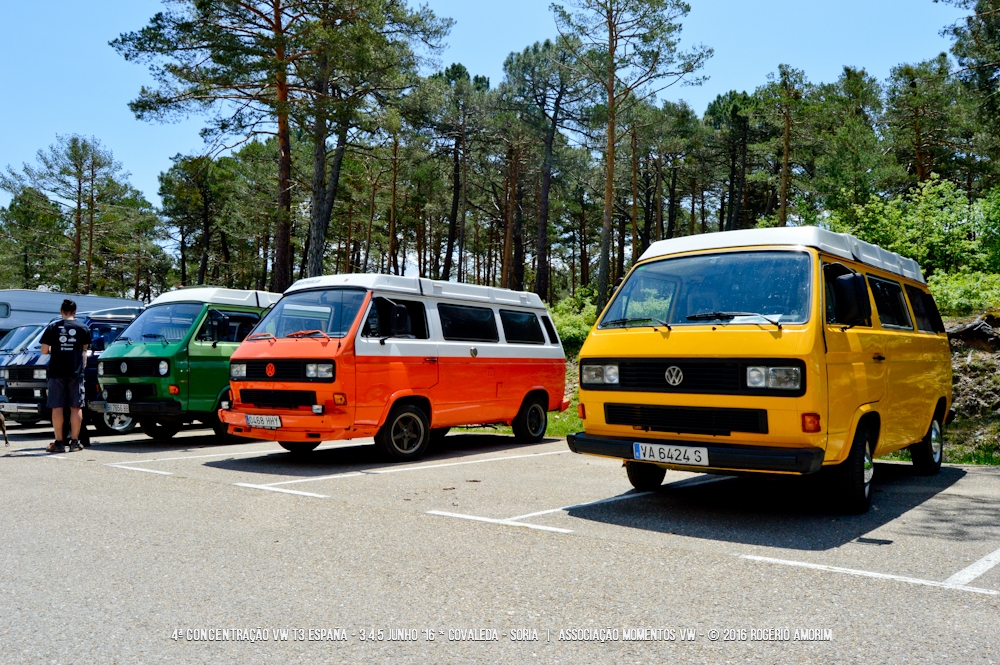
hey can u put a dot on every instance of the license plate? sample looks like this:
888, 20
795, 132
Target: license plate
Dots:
267, 422
117, 408
686, 455
6, 407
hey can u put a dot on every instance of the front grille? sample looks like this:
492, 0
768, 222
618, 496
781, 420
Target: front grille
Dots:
706, 376
278, 399
22, 394
687, 420
284, 370
133, 367
22, 373
116, 393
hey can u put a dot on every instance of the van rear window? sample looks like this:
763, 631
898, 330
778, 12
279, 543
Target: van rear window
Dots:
460, 323
550, 330
521, 327
925, 310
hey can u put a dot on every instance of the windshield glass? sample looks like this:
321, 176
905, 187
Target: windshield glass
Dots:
331, 312
164, 323
106, 330
17, 338
736, 287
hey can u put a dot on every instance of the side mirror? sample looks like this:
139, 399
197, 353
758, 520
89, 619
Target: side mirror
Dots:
400, 320
853, 304
220, 327
97, 344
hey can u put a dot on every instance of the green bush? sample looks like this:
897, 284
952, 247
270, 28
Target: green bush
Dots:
573, 318
965, 292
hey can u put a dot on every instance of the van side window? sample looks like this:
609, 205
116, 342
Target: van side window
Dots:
521, 327
550, 329
925, 310
240, 325
832, 271
889, 302
460, 323
385, 320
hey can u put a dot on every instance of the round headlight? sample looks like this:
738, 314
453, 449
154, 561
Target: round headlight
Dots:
100, 369
164, 367
756, 377
104, 394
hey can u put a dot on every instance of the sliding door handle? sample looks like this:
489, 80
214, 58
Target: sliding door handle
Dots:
878, 357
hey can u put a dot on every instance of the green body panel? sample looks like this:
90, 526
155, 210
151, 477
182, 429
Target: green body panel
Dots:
200, 370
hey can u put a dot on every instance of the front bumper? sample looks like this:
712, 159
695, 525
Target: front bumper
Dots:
331, 426
22, 407
721, 457
165, 408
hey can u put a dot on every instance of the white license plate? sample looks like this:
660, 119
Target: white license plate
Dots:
267, 422
116, 408
686, 455
7, 407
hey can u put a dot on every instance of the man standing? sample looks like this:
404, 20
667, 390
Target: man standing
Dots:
66, 341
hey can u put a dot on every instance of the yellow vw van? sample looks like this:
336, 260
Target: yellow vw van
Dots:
771, 351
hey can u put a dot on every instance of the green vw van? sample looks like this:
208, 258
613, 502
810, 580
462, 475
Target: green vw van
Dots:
170, 366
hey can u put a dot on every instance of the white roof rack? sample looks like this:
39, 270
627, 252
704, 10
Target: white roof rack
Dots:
418, 286
843, 245
218, 296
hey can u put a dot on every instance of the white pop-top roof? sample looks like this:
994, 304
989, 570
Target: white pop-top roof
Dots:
218, 296
839, 244
418, 286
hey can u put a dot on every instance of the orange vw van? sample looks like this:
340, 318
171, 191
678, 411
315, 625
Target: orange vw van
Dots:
783, 350
402, 359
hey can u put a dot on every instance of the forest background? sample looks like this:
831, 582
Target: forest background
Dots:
336, 142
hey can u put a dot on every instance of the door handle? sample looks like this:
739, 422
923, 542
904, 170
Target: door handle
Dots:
878, 357
430, 360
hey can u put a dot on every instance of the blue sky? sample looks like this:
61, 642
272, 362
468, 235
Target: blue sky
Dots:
59, 76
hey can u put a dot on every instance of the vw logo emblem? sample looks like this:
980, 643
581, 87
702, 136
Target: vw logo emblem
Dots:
269, 370
124, 367
674, 375
128, 395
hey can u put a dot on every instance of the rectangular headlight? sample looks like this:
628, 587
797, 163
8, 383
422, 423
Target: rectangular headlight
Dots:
4, 374
238, 370
592, 374
310, 370
39, 374
324, 370
784, 378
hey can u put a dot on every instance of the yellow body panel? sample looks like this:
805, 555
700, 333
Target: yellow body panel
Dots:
843, 379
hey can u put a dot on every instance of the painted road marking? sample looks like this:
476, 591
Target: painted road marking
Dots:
866, 573
282, 490
172, 459
135, 468
411, 467
977, 569
503, 522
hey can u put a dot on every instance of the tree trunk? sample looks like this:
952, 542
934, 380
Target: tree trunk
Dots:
604, 263
659, 197
672, 206
206, 237
324, 190
635, 197
393, 245
517, 271
281, 271
584, 261
90, 224
785, 160
456, 186
77, 240
508, 236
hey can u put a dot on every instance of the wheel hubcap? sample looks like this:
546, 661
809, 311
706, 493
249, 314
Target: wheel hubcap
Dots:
407, 433
117, 422
869, 467
936, 441
536, 420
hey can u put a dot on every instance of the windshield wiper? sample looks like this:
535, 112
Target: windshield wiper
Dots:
729, 316
155, 336
308, 333
260, 335
123, 338
638, 320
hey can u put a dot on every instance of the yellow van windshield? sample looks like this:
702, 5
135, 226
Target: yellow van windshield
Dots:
732, 287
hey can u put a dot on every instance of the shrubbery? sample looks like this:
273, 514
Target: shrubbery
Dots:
965, 292
574, 317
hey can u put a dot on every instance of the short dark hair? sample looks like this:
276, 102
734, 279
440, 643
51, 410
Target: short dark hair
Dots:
68, 306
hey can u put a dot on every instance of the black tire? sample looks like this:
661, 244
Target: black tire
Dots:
531, 421
109, 424
854, 475
405, 434
438, 434
644, 476
155, 429
928, 453
220, 429
298, 447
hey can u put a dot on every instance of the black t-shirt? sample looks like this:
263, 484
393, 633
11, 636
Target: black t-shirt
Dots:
66, 340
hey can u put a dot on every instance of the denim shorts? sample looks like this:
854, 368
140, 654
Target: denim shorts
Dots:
65, 392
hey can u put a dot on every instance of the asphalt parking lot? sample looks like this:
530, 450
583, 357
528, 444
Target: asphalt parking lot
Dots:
188, 551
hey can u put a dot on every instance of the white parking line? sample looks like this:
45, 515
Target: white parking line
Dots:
282, 490
977, 569
866, 573
135, 468
172, 459
503, 522
411, 467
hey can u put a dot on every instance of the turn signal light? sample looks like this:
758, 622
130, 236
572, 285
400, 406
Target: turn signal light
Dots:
174, 390
340, 399
581, 411
810, 423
